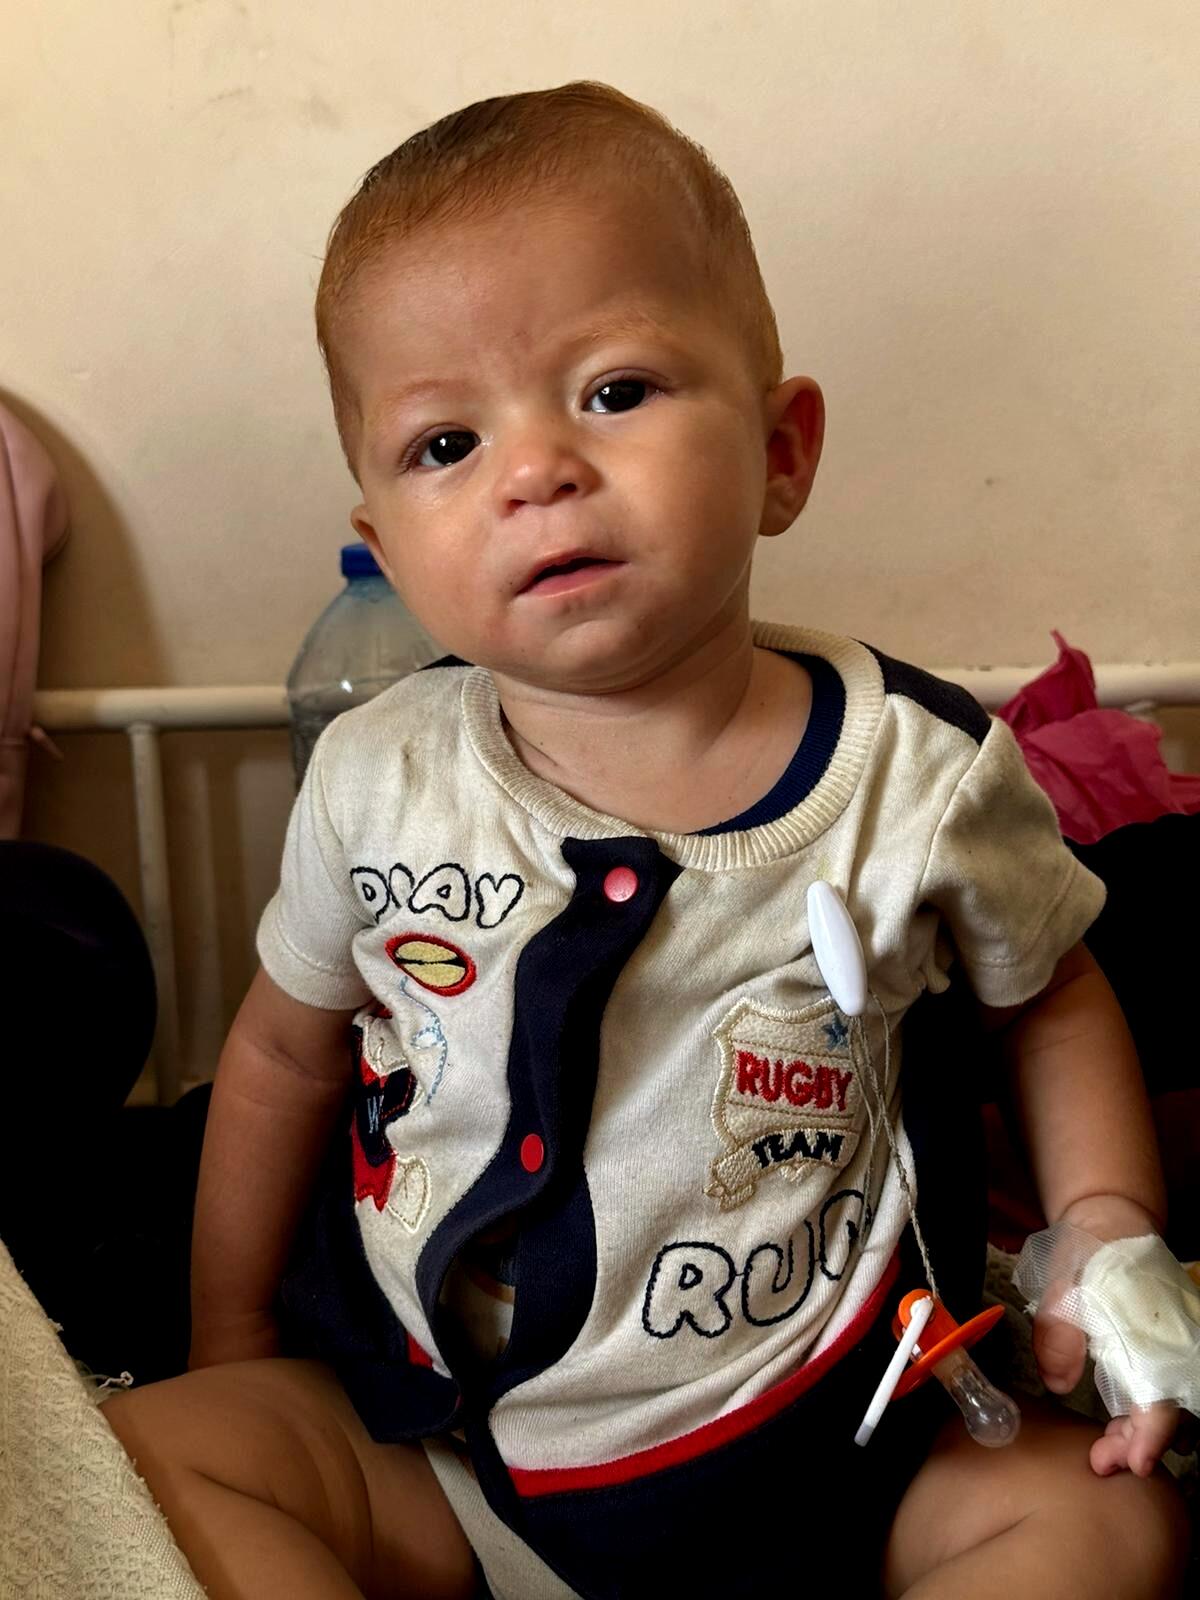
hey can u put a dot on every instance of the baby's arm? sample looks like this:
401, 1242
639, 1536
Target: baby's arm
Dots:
280, 1084
1082, 1105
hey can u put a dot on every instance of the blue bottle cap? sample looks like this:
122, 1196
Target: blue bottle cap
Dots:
358, 562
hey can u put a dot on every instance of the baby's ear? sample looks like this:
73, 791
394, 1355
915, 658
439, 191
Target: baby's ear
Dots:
795, 419
361, 522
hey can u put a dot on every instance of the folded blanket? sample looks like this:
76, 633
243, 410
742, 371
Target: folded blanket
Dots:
76, 1521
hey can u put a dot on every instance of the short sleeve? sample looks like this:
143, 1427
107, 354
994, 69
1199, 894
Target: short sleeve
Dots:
1011, 894
306, 934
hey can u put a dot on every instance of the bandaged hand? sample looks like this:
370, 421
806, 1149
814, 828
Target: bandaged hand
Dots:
1128, 1303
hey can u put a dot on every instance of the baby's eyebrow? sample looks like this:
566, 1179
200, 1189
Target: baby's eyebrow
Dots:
620, 325
413, 392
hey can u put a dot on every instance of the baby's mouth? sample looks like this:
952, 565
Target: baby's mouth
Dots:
571, 573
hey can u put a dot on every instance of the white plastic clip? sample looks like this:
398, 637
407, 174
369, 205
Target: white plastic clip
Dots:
837, 948
918, 1316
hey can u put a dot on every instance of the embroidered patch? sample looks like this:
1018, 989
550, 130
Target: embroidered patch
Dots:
432, 962
386, 1087
447, 889
409, 1197
786, 1098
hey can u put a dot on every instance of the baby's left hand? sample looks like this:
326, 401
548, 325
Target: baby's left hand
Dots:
1136, 1441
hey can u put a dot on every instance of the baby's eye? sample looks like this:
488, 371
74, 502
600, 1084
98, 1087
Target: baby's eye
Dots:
444, 449
623, 394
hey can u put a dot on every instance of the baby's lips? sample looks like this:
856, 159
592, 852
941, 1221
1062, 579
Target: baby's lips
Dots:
558, 562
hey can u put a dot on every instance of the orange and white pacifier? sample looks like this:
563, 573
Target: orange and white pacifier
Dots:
936, 1344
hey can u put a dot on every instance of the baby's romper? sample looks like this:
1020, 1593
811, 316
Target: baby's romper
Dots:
616, 1049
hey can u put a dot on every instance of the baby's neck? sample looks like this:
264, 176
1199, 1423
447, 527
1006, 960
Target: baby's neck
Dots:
693, 748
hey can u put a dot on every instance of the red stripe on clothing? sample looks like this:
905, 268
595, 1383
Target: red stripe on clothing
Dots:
418, 1357
531, 1482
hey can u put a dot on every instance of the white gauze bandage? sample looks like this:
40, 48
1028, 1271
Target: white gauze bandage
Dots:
1136, 1304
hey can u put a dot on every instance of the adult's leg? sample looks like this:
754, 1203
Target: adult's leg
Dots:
1034, 1519
271, 1485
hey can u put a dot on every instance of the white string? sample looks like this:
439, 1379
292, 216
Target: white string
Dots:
901, 1169
869, 1179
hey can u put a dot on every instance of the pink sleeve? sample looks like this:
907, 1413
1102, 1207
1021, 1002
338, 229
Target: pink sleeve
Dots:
33, 525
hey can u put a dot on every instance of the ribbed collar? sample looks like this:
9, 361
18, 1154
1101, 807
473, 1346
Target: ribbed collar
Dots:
769, 841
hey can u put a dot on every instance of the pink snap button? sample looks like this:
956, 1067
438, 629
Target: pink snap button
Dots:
621, 884
533, 1152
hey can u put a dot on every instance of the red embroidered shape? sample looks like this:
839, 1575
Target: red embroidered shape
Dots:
823, 1086
380, 1102
434, 963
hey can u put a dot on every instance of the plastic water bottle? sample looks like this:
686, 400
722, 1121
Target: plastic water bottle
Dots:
364, 640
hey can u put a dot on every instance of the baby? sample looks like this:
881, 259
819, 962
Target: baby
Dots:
600, 1270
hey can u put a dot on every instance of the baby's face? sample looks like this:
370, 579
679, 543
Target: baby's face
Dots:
563, 455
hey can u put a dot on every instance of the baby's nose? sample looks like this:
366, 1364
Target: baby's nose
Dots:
542, 472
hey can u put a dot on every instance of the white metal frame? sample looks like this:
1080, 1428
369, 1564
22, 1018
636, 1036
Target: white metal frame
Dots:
144, 713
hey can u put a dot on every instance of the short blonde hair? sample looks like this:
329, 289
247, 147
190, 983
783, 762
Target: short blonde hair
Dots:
508, 148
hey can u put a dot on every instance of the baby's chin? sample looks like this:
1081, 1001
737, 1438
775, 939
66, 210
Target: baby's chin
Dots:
619, 657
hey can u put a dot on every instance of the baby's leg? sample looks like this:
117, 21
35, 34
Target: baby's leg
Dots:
1033, 1519
272, 1486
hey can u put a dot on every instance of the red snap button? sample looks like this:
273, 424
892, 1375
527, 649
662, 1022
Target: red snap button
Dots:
621, 884
533, 1152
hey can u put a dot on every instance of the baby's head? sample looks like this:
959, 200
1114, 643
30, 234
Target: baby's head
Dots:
549, 347
509, 152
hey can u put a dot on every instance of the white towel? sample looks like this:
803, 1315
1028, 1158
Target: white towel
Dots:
76, 1521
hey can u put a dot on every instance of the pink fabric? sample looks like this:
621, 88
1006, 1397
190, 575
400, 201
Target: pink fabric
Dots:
33, 525
1102, 769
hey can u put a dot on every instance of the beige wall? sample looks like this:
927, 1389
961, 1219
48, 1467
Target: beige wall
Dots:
978, 222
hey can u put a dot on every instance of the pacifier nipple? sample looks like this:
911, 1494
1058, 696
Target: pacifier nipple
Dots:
991, 1416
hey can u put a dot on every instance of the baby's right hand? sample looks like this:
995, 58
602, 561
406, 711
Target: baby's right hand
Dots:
245, 1336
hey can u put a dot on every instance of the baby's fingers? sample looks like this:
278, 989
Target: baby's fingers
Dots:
1153, 1429
1135, 1442
1110, 1453
1060, 1351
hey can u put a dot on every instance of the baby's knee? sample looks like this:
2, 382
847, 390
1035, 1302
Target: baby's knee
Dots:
1138, 1529
1129, 1532
225, 1421
139, 1419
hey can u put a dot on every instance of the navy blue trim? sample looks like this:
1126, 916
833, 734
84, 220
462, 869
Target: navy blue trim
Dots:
813, 753
564, 978
945, 700
444, 661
